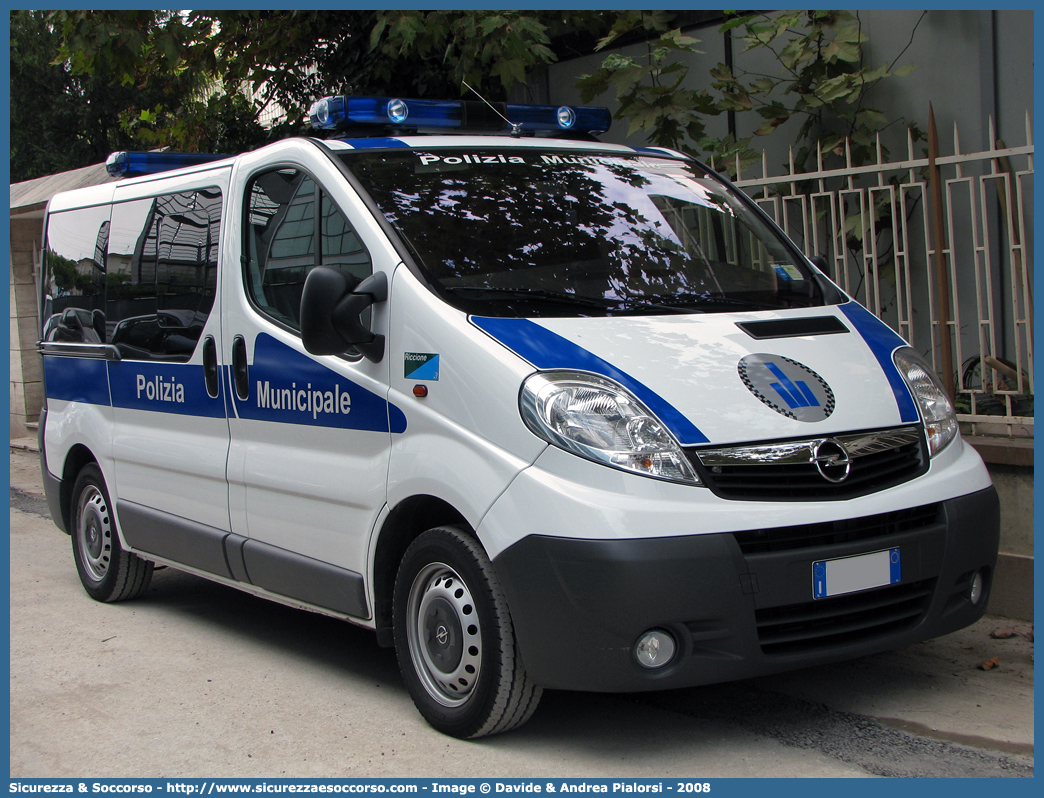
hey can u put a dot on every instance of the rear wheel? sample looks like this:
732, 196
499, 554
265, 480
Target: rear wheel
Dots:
108, 573
454, 638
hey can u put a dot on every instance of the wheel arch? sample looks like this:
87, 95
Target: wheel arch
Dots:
79, 456
404, 523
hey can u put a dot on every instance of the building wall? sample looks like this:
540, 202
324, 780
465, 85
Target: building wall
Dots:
970, 65
26, 385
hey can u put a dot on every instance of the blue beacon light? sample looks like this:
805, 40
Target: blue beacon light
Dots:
135, 164
331, 113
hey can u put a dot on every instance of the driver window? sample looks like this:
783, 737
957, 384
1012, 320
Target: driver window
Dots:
292, 227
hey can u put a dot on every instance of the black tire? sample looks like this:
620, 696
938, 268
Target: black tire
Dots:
455, 641
108, 573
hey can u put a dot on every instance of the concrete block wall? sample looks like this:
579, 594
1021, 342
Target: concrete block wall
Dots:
26, 376
1011, 466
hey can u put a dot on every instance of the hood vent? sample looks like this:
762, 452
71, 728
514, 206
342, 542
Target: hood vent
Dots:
793, 328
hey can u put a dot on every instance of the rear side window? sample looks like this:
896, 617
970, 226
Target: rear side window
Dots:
161, 274
73, 306
292, 227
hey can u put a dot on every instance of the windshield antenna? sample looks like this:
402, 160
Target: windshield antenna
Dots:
516, 129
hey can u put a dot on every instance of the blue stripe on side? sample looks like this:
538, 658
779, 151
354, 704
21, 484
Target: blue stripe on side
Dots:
178, 388
289, 387
883, 341
76, 379
548, 350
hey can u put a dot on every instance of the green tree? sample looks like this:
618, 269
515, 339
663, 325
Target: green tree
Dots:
821, 79
58, 121
250, 61
649, 87
63, 118
173, 61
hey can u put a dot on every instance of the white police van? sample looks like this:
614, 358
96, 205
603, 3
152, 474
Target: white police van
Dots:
540, 411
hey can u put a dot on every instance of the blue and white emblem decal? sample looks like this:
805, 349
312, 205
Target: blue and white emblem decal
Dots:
788, 387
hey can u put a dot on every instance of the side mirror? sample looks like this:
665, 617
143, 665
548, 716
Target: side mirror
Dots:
831, 293
331, 313
820, 263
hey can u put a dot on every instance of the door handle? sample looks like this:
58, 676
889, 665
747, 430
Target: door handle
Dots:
239, 368
210, 366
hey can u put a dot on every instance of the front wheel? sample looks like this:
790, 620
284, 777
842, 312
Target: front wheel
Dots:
454, 638
108, 573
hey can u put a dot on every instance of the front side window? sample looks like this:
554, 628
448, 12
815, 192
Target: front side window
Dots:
292, 227
553, 233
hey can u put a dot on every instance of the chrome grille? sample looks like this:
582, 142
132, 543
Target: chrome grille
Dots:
829, 467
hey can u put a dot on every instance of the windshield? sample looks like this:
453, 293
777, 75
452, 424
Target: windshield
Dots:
529, 232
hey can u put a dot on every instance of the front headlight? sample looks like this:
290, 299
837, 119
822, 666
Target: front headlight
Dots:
940, 420
598, 419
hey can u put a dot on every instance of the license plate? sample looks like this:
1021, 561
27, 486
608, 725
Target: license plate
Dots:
852, 574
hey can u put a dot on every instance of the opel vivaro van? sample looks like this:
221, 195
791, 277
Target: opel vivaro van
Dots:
540, 411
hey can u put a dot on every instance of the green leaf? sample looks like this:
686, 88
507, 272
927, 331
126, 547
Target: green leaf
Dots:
490, 24
769, 127
773, 111
839, 50
835, 88
870, 118
732, 24
378, 32
722, 72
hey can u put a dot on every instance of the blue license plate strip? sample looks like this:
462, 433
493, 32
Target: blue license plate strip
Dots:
852, 574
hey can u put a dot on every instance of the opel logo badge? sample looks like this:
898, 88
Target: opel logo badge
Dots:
832, 461
442, 635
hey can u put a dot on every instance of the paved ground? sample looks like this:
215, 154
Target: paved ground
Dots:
203, 680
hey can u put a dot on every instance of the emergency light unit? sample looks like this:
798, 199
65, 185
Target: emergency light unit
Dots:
540, 411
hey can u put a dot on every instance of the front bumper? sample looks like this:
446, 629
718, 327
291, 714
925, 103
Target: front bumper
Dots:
740, 604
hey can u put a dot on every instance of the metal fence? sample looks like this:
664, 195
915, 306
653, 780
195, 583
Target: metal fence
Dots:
891, 247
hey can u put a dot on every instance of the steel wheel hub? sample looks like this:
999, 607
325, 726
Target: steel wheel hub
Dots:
444, 634
94, 530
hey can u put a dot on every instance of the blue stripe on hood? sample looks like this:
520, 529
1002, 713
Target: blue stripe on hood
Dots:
883, 341
548, 350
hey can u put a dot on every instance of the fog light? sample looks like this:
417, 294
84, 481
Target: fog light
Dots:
976, 588
654, 649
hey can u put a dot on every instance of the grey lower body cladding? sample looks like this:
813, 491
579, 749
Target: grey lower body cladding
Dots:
740, 604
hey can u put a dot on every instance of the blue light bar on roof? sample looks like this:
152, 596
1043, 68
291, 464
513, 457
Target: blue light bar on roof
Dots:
332, 113
135, 164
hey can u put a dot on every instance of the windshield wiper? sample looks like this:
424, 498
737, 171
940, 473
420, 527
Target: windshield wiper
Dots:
537, 293
710, 300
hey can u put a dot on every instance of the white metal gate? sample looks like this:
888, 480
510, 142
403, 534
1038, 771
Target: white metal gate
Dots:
874, 226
